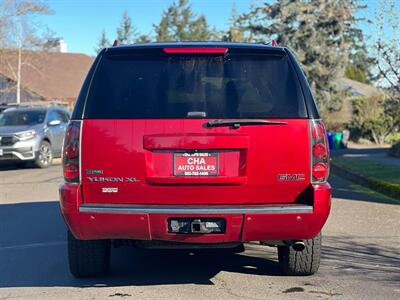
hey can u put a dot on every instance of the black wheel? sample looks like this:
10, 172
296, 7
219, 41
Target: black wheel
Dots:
88, 258
44, 158
301, 263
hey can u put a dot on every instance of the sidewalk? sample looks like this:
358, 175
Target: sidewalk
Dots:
372, 153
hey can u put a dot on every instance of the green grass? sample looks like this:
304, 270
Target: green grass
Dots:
378, 197
369, 169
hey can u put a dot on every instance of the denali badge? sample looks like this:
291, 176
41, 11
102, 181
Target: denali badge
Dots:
93, 172
290, 177
109, 190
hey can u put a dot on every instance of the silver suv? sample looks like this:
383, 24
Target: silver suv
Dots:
32, 134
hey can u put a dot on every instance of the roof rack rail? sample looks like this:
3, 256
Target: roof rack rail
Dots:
45, 103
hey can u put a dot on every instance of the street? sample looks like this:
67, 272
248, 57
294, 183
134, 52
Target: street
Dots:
361, 247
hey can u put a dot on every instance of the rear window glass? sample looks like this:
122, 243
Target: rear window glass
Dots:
234, 86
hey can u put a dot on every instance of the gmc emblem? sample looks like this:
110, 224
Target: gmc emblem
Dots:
291, 177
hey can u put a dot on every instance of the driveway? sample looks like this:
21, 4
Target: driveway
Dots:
360, 254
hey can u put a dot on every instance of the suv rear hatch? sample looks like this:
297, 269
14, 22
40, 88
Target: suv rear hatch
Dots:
194, 126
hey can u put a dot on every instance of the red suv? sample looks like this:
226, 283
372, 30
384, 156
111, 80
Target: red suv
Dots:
195, 145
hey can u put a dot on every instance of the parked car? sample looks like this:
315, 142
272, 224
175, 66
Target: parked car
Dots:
32, 134
4, 106
195, 145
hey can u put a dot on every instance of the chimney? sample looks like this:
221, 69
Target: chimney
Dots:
56, 45
63, 46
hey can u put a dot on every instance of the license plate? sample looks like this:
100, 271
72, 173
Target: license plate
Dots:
1, 152
196, 164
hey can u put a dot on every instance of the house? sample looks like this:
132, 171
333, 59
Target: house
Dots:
357, 88
45, 75
354, 89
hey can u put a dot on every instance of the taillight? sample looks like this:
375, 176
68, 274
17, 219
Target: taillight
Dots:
319, 152
71, 152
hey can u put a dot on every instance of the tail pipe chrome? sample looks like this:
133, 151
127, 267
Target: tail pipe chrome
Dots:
298, 246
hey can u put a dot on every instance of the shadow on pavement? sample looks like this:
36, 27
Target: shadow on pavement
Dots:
349, 255
33, 254
8, 166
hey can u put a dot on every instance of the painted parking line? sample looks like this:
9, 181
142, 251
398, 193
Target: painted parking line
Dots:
32, 245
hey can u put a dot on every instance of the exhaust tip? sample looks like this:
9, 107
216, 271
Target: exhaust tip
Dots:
298, 246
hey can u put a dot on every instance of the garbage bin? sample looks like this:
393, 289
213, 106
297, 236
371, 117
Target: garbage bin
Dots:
330, 139
337, 140
345, 138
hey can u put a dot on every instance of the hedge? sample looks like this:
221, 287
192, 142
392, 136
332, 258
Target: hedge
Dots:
390, 189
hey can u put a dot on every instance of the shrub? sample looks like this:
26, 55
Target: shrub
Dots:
376, 117
395, 150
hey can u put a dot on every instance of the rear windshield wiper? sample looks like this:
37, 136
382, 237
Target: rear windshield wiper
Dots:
236, 123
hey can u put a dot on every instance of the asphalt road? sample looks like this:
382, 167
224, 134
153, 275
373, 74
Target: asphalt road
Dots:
361, 250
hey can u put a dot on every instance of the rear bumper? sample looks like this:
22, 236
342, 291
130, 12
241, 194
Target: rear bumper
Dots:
244, 223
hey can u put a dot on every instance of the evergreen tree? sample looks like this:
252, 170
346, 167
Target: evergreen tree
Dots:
103, 42
179, 23
162, 30
126, 31
358, 67
235, 32
317, 31
143, 39
359, 63
200, 30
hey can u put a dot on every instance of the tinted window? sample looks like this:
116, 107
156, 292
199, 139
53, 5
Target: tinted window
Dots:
64, 116
235, 86
16, 117
57, 115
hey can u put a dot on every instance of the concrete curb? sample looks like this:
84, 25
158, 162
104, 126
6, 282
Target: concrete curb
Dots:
387, 188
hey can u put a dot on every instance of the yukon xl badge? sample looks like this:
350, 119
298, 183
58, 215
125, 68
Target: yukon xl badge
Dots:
112, 179
290, 177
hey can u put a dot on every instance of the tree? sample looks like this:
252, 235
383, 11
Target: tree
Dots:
387, 48
179, 23
19, 32
359, 65
387, 62
126, 31
103, 42
374, 117
235, 32
359, 60
143, 38
317, 31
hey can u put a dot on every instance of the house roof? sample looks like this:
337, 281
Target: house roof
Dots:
51, 75
360, 89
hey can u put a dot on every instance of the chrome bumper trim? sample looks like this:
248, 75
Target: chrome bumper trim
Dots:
180, 209
18, 156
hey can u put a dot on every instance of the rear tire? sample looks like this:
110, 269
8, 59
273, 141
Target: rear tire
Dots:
88, 258
301, 263
44, 157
